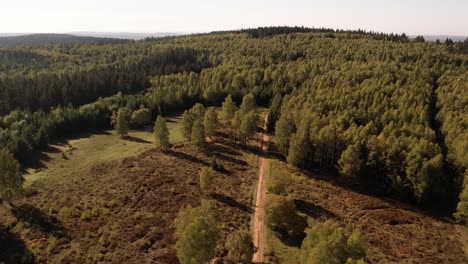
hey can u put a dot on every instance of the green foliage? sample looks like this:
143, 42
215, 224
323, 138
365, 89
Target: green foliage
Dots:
236, 123
326, 243
281, 216
283, 130
248, 126
206, 179
299, 146
356, 245
141, 117
196, 234
462, 208
382, 92
350, 162
197, 112
211, 122
240, 247
228, 109
278, 184
198, 133
274, 112
187, 124
161, 133
122, 121
11, 179
248, 103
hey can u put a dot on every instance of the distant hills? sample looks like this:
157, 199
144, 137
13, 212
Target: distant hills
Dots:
127, 35
46, 39
12, 40
442, 38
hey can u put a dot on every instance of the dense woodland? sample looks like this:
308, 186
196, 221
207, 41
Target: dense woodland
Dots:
385, 112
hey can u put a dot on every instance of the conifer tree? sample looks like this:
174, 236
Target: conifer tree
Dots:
187, 124
350, 162
196, 234
211, 122
248, 103
228, 109
198, 133
161, 133
240, 247
11, 179
206, 179
248, 126
121, 126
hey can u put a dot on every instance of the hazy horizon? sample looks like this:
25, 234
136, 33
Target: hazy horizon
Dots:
143, 16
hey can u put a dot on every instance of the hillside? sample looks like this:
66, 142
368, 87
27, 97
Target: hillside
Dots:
52, 39
362, 156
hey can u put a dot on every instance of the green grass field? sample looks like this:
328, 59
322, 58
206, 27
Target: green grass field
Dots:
63, 161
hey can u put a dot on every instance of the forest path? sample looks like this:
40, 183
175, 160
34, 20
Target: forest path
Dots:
258, 225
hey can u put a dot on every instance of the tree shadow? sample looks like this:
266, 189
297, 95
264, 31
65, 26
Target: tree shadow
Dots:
181, 155
231, 202
138, 140
234, 145
222, 149
38, 219
230, 159
292, 241
13, 249
313, 210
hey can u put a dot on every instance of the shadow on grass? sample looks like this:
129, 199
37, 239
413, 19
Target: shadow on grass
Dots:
38, 219
290, 240
231, 202
181, 155
138, 140
313, 210
13, 249
230, 159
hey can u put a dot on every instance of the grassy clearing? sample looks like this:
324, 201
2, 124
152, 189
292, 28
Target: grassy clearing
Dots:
106, 199
65, 161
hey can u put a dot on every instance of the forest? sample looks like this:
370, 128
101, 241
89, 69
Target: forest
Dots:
383, 113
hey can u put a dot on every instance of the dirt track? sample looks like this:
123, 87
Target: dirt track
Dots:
258, 226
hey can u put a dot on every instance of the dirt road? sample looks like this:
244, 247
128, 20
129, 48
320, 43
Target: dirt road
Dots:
258, 225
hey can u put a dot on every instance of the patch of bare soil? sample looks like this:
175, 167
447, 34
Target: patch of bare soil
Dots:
124, 211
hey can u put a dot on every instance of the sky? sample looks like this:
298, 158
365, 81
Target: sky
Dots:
425, 17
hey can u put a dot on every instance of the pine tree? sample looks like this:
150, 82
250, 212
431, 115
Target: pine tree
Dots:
187, 124
236, 124
198, 133
248, 126
350, 162
11, 179
356, 245
248, 103
211, 122
196, 234
121, 126
274, 112
283, 130
228, 109
240, 247
206, 179
161, 133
